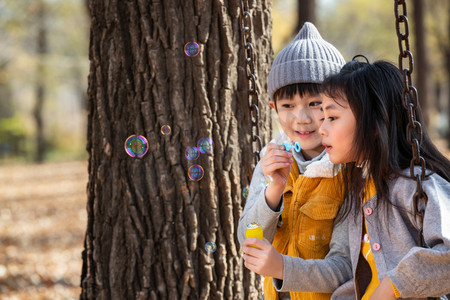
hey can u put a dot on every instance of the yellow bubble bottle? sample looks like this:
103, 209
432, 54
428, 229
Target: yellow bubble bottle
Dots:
254, 231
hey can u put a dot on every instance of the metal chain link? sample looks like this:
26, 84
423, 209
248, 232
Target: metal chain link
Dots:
252, 93
410, 103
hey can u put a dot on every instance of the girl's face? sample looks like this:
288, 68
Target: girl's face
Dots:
338, 130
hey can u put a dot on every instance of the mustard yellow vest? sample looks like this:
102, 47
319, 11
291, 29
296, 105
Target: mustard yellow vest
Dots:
310, 206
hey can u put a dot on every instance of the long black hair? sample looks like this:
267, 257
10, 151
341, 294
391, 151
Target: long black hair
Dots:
374, 94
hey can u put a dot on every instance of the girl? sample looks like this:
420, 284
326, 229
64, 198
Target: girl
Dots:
364, 129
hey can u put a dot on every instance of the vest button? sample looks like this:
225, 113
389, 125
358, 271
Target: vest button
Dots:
368, 211
376, 247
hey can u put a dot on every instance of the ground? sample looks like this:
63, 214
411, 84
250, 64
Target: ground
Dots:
42, 226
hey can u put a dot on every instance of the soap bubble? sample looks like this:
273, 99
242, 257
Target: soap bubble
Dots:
245, 192
196, 172
136, 146
261, 184
205, 145
192, 153
210, 247
191, 49
166, 130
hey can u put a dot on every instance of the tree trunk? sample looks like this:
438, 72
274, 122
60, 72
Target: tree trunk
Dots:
148, 223
420, 58
447, 62
6, 103
306, 11
42, 50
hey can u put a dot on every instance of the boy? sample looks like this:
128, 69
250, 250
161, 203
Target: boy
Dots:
297, 208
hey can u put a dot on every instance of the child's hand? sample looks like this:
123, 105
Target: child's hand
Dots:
383, 291
264, 260
276, 163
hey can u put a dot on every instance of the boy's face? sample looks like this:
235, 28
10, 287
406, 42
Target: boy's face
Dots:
300, 118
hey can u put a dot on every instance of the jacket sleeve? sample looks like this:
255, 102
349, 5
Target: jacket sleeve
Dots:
424, 272
257, 210
319, 275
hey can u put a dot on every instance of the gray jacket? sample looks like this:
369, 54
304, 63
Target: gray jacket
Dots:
416, 272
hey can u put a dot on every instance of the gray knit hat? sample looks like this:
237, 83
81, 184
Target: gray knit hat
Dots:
307, 59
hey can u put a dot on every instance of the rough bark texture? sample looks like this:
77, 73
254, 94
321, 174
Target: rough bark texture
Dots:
148, 222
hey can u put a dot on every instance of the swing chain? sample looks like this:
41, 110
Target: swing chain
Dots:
414, 131
252, 93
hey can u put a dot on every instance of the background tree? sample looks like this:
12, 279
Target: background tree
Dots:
148, 223
420, 54
6, 107
41, 54
306, 12
447, 63
12, 132
439, 31
41, 59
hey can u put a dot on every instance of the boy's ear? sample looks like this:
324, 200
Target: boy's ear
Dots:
272, 104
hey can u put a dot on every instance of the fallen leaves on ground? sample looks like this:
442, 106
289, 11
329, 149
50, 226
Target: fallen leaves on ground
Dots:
42, 226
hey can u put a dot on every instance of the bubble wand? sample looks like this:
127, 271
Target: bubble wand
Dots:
296, 146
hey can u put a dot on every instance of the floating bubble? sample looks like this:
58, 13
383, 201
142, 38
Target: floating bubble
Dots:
205, 145
258, 185
166, 130
136, 146
245, 192
192, 153
191, 49
269, 179
210, 247
196, 172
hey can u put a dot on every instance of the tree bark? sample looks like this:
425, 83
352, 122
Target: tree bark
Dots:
148, 223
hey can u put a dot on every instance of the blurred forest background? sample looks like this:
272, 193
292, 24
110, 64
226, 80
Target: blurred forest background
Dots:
44, 66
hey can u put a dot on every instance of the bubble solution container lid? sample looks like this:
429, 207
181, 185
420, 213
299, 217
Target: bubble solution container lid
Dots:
253, 225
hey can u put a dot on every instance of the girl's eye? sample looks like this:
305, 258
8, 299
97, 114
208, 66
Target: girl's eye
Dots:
332, 118
315, 103
287, 105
